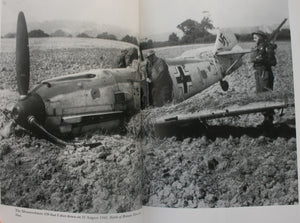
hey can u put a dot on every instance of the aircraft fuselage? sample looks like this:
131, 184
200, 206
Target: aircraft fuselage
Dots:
75, 103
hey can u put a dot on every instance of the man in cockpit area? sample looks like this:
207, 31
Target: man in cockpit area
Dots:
161, 85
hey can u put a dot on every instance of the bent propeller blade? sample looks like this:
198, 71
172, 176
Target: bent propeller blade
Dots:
22, 56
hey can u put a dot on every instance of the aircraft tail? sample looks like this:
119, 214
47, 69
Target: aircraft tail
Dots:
225, 41
228, 51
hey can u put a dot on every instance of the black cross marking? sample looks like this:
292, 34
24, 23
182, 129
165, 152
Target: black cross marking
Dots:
184, 79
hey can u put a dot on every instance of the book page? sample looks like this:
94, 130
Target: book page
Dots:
75, 160
218, 149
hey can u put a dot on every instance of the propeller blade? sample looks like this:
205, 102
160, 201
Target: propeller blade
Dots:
22, 56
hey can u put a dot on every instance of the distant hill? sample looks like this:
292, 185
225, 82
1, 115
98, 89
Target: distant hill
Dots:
251, 29
76, 27
37, 33
238, 30
83, 35
60, 33
10, 35
163, 36
72, 27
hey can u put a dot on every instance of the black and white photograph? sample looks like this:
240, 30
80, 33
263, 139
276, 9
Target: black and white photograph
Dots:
221, 129
71, 68
134, 110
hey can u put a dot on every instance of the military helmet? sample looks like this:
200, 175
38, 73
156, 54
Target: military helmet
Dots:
150, 53
260, 33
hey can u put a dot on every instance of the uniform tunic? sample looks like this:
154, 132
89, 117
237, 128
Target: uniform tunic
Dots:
262, 63
161, 85
263, 59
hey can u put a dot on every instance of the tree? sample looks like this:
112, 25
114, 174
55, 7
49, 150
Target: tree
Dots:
146, 44
206, 23
83, 35
173, 38
10, 35
60, 33
188, 27
37, 33
105, 35
130, 39
194, 30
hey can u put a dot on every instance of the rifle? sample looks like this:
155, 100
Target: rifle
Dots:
272, 38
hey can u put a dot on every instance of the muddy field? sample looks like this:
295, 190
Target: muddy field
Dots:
247, 166
232, 163
38, 174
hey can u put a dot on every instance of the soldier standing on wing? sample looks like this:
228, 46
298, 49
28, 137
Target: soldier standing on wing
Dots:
121, 62
161, 85
126, 57
263, 59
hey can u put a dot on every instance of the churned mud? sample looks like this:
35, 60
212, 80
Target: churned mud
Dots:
228, 162
233, 163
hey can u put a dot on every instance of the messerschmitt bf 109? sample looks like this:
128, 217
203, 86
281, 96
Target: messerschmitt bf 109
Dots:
107, 98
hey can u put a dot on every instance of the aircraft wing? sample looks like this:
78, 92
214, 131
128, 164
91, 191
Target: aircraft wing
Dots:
176, 61
213, 114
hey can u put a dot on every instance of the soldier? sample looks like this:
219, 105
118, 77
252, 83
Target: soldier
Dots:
121, 62
161, 86
263, 59
131, 55
126, 57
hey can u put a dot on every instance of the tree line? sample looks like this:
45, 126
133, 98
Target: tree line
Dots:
60, 33
193, 32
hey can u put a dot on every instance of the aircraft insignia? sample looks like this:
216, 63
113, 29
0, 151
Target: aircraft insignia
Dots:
223, 40
183, 79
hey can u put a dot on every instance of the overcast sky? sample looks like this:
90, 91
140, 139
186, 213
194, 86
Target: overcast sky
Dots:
158, 16
123, 13
164, 15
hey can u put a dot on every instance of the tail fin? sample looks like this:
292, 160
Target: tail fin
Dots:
225, 41
229, 52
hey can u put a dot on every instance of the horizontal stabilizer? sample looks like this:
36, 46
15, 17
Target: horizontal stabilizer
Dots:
241, 52
226, 112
